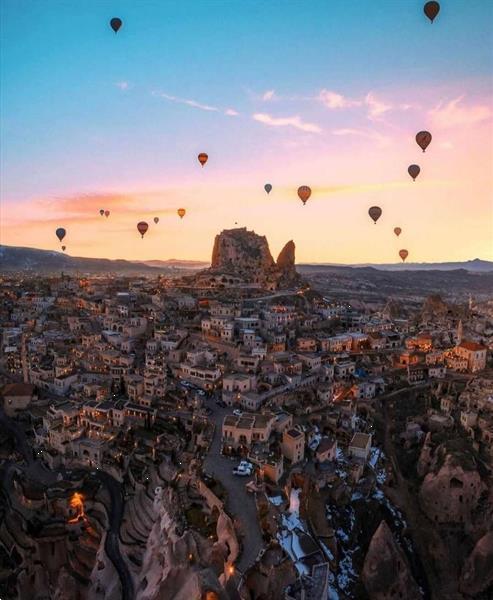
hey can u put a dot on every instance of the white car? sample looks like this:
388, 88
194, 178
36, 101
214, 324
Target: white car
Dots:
244, 469
237, 412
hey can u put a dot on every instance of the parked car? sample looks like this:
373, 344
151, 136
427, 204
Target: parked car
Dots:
241, 471
237, 412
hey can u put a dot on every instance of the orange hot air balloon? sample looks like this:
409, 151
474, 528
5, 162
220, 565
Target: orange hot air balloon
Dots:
375, 213
397, 231
203, 158
60, 233
101, 212
181, 212
106, 213
403, 254
414, 171
115, 24
63, 248
423, 139
142, 226
304, 192
431, 10
156, 220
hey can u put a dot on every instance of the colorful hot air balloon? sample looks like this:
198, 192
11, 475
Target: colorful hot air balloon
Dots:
268, 188
106, 213
156, 220
397, 231
101, 211
115, 24
375, 213
413, 170
60, 233
403, 254
142, 226
304, 192
431, 10
423, 139
203, 158
63, 248
181, 212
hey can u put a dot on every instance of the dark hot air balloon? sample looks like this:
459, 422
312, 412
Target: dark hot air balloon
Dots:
413, 170
304, 192
268, 188
423, 139
142, 226
156, 220
403, 254
63, 248
115, 24
101, 212
106, 213
431, 10
60, 233
375, 213
397, 231
181, 212
203, 158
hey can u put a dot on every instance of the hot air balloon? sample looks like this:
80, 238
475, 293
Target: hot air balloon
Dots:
106, 213
63, 248
181, 212
142, 226
203, 157
156, 220
115, 24
101, 212
397, 231
268, 188
423, 139
431, 10
403, 254
413, 170
60, 233
375, 213
304, 192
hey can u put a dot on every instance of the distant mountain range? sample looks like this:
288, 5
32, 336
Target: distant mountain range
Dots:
14, 258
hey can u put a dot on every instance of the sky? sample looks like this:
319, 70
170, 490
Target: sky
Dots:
325, 94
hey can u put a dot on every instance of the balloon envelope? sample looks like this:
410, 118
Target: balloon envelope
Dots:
304, 192
375, 213
115, 24
156, 220
431, 10
60, 233
423, 139
403, 254
106, 213
413, 170
268, 188
203, 157
63, 248
101, 212
142, 226
181, 212
397, 231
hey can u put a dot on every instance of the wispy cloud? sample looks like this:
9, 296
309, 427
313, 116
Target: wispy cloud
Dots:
122, 85
230, 112
379, 138
456, 113
268, 95
333, 100
376, 108
295, 121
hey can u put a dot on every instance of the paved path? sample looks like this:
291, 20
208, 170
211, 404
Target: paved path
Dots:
240, 504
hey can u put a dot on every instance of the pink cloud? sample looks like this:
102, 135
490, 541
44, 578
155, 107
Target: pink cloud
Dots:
456, 113
294, 121
269, 95
333, 100
376, 108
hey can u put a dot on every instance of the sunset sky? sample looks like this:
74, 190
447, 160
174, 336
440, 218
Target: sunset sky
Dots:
290, 92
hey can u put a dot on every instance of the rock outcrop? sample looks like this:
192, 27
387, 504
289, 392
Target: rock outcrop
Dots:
477, 573
386, 573
242, 257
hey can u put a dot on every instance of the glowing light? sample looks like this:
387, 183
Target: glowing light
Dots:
77, 504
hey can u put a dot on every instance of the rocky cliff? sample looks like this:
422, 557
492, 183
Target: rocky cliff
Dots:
240, 256
477, 573
386, 573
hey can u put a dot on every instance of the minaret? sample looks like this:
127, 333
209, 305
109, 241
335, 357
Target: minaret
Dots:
459, 333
